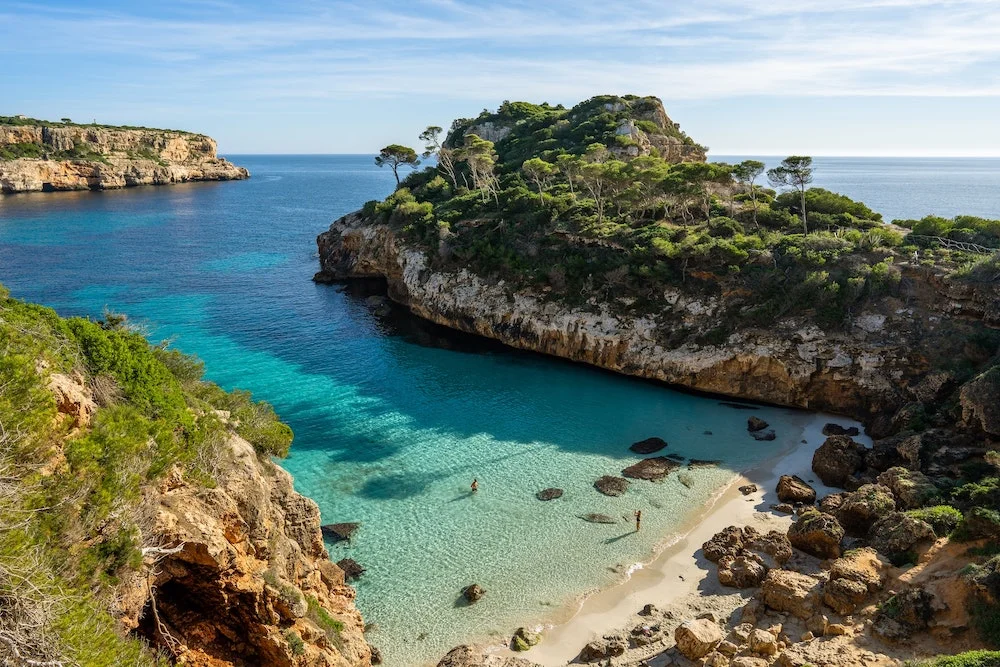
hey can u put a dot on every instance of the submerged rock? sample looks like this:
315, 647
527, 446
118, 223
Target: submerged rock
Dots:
549, 494
473, 593
755, 424
338, 532
352, 569
610, 485
594, 517
652, 469
764, 436
648, 446
704, 463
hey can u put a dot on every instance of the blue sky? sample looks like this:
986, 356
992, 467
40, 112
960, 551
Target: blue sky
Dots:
822, 77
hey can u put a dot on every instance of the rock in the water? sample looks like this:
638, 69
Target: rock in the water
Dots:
765, 436
549, 494
838, 458
755, 424
704, 463
747, 489
594, 517
911, 488
473, 593
817, 533
791, 592
793, 489
696, 639
861, 508
648, 446
524, 639
653, 469
837, 429
352, 569
610, 485
896, 535
339, 531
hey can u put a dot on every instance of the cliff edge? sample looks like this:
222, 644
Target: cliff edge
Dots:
36, 156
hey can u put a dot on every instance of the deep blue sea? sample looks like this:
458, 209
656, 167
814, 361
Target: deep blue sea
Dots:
393, 418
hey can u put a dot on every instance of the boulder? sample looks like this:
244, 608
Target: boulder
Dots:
352, 569
791, 592
747, 489
904, 614
837, 429
610, 485
473, 593
838, 458
774, 549
697, 638
648, 446
748, 661
771, 550
337, 532
727, 542
831, 503
649, 610
794, 489
911, 488
861, 508
896, 535
755, 424
524, 639
609, 647
743, 571
766, 436
653, 469
862, 565
816, 533
762, 642
844, 596
549, 494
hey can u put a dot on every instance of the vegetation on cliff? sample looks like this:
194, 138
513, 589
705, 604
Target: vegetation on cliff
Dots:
610, 201
91, 418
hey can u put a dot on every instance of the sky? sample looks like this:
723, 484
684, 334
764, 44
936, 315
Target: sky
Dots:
818, 77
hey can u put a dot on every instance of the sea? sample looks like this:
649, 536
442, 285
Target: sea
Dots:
393, 417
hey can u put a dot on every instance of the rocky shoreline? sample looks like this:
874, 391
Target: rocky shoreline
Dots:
102, 158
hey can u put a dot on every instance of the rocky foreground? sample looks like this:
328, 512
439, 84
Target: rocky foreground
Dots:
76, 157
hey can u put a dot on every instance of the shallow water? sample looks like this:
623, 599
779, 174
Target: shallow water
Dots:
393, 418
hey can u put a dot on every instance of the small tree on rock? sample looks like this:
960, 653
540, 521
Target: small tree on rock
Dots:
445, 156
794, 171
540, 172
746, 173
396, 155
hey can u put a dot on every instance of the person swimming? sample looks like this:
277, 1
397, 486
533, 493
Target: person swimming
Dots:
638, 520
475, 485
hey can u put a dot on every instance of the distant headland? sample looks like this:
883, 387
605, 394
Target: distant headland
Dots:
44, 156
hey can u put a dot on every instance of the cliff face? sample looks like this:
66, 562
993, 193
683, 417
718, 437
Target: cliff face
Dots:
251, 582
880, 364
98, 158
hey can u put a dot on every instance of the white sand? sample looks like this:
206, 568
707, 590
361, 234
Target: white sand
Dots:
680, 570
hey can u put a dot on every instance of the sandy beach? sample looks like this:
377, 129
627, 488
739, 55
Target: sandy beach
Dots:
679, 578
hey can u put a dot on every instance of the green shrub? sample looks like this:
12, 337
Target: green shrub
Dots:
295, 643
979, 523
943, 518
967, 659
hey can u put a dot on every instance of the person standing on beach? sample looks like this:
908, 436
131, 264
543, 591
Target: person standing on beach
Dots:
475, 485
638, 520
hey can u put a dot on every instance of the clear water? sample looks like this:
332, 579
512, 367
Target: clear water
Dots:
393, 419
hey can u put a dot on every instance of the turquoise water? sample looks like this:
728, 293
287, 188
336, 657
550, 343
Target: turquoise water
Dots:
393, 418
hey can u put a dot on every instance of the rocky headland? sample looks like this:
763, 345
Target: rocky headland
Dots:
653, 264
36, 156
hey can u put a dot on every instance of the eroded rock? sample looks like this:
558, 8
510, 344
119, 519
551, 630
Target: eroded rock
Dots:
653, 469
817, 533
838, 458
697, 638
794, 489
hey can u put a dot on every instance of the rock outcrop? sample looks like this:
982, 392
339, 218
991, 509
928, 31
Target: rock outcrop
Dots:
77, 157
242, 575
866, 371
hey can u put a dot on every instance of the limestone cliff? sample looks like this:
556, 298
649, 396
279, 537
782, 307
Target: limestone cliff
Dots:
43, 157
242, 577
882, 362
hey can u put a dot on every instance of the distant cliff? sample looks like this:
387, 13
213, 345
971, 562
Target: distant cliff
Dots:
36, 156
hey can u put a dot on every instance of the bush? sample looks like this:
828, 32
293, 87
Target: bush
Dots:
943, 518
979, 523
967, 659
